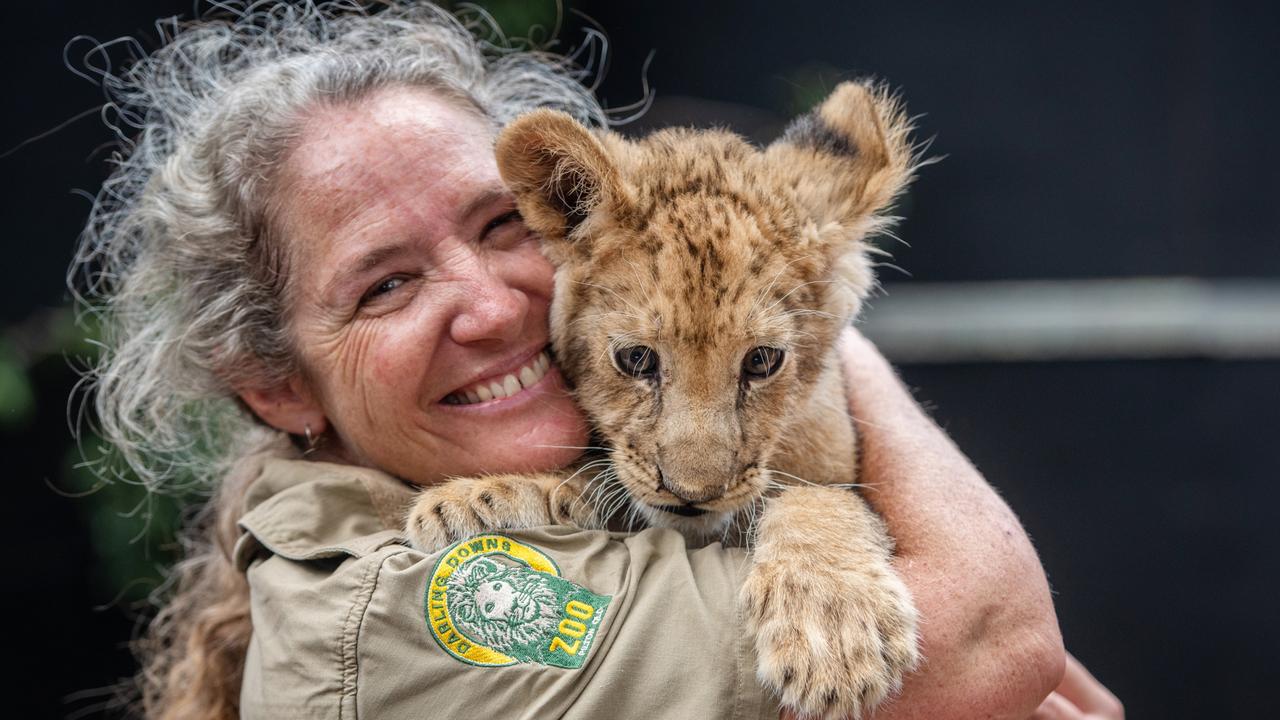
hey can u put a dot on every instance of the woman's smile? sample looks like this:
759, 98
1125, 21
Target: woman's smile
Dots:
508, 384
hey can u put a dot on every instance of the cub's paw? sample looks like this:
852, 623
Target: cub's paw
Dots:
832, 642
569, 501
462, 507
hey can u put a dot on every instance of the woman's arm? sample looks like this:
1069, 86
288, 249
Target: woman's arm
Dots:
990, 637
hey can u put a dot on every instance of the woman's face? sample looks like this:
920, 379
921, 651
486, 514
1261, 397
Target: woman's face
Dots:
418, 298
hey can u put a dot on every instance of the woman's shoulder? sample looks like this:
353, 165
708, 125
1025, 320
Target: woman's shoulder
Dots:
312, 538
302, 510
542, 622
561, 622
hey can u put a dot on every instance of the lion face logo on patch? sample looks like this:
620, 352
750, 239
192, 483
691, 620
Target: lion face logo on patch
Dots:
493, 601
502, 606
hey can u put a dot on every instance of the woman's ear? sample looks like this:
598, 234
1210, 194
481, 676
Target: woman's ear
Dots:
290, 406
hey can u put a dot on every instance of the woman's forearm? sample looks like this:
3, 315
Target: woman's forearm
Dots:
990, 637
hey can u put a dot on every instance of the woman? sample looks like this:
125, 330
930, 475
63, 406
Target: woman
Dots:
309, 239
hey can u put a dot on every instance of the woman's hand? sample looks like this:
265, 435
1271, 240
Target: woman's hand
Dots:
989, 635
1079, 697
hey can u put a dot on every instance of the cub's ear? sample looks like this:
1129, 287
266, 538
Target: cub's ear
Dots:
849, 157
559, 171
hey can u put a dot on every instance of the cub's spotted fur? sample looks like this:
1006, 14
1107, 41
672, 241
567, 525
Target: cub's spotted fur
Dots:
701, 286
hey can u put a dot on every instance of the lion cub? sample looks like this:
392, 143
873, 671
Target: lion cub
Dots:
701, 286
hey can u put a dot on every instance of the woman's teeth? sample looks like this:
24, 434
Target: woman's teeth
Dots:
502, 387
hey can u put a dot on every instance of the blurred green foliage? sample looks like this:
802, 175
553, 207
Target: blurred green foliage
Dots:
807, 85
520, 22
132, 531
17, 398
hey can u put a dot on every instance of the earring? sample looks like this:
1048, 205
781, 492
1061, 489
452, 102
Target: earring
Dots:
311, 440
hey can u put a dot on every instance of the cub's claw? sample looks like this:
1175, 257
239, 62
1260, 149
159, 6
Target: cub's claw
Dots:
462, 507
832, 642
446, 513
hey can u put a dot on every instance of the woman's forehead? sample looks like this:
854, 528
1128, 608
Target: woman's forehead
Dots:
404, 158
389, 136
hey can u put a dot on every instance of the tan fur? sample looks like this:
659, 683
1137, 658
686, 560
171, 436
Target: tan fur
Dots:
701, 247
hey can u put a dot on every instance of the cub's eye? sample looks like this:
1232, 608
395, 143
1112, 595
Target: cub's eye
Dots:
762, 362
637, 361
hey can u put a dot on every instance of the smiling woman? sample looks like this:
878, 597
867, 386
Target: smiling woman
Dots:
317, 296
416, 289
307, 234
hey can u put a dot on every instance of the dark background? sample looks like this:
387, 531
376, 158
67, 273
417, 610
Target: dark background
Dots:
1082, 140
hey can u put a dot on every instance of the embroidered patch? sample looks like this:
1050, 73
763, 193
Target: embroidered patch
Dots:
494, 601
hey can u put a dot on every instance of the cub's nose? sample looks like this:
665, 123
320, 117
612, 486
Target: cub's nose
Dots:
691, 489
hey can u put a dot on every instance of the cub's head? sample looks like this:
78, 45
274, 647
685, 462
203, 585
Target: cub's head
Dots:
701, 283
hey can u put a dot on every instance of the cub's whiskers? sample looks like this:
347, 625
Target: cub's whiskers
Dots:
775, 485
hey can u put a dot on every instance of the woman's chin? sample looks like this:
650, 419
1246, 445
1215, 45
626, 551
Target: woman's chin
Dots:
538, 430
544, 436
552, 441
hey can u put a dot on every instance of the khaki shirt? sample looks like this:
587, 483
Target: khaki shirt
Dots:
551, 622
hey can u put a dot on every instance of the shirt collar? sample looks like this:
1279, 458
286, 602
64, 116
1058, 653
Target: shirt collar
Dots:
306, 510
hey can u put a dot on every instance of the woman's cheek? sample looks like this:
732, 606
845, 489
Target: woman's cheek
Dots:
395, 353
357, 356
532, 271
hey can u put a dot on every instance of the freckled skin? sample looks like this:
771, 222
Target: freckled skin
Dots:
408, 174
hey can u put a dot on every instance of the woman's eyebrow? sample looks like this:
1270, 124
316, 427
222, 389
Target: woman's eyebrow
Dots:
485, 198
362, 264
375, 257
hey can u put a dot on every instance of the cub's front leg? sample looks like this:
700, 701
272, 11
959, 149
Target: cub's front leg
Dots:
461, 507
834, 626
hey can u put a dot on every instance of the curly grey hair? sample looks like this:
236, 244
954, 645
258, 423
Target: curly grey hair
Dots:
179, 261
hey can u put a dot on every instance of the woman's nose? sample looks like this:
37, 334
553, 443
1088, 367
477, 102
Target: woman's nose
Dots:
491, 310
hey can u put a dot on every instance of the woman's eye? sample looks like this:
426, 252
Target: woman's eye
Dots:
488, 608
497, 586
762, 362
637, 361
382, 288
507, 225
